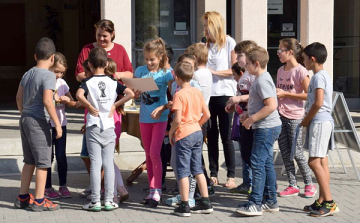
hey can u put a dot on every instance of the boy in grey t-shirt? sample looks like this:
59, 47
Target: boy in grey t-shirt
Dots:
265, 122
34, 93
320, 126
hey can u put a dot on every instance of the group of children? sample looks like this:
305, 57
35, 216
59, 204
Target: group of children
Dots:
264, 113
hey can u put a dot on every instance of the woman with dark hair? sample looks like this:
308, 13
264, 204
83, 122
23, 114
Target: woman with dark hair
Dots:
105, 35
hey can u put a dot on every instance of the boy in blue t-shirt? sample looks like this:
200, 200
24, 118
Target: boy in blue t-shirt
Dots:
320, 129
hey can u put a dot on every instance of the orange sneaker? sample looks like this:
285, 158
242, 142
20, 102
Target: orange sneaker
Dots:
46, 205
24, 203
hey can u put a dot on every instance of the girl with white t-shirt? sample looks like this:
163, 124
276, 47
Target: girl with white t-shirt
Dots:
62, 97
221, 57
292, 85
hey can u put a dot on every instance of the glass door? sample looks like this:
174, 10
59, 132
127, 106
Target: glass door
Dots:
172, 20
282, 23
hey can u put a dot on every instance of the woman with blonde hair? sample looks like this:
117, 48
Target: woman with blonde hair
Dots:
221, 57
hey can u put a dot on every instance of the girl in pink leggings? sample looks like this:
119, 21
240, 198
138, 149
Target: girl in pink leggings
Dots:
154, 114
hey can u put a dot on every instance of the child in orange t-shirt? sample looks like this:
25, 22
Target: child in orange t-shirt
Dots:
190, 112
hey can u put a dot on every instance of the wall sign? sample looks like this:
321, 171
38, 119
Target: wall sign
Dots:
275, 7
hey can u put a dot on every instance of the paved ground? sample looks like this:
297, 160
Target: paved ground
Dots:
344, 187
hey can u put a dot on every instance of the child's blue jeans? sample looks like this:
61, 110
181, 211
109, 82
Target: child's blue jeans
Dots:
264, 175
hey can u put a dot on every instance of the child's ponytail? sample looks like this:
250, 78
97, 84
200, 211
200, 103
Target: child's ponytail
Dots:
294, 45
158, 47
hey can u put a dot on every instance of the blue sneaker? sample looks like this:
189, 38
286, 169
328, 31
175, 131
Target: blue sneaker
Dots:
267, 207
250, 209
173, 201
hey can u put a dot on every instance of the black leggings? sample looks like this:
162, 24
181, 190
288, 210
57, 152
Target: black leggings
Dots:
217, 111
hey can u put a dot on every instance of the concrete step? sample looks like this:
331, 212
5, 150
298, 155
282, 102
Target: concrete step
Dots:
131, 152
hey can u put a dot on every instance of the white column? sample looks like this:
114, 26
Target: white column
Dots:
251, 21
119, 12
209, 5
317, 25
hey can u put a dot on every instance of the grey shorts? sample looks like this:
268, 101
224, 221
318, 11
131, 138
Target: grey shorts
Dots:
319, 139
36, 141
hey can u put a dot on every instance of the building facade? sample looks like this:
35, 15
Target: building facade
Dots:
70, 24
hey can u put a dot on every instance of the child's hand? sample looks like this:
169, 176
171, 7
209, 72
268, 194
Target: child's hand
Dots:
243, 116
78, 104
64, 99
93, 111
233, 100
305, 123
156, 114
171, 138
229, 108
137, 93
112, 110
280, 93
56, 98
83, 129
247, 123
59, 132
169, 105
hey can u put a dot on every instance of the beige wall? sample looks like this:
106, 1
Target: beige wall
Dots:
317, 25
205, 6
119, 12
251, 21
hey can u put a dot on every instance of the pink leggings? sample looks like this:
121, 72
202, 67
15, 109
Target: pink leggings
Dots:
152, 136
117, 122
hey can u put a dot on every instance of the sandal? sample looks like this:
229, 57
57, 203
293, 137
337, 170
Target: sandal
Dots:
230, 183
214, 181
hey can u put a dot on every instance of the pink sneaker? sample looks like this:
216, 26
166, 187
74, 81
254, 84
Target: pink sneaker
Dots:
51, 194
64, 192
290, 191
310, 191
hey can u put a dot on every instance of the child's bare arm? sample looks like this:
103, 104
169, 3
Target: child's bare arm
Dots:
299, 96
269, 107
19, 98
49, 105
175, 124
81, 98
129, 94
319, 99
206, 114
156, 114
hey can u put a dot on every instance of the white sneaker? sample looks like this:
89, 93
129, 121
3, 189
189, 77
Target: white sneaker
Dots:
92, 207
110, 205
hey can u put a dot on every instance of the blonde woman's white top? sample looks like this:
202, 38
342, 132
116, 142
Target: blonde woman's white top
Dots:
221, 60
